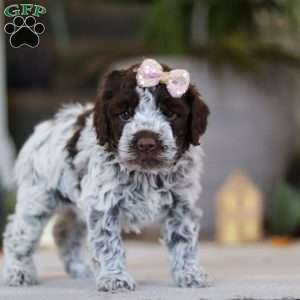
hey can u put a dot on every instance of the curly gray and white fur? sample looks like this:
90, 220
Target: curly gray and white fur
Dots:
102, 190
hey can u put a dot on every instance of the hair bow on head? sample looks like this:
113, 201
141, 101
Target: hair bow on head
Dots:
150, 73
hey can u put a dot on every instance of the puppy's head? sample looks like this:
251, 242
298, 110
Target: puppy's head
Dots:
146, 127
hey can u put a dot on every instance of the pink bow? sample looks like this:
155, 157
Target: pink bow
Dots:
150, 73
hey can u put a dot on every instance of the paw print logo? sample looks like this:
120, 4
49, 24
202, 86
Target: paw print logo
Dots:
24, 31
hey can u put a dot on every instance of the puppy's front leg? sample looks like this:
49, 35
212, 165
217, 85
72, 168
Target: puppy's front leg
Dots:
108, 253
180, 233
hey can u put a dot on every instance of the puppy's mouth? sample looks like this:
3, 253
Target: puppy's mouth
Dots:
150, 163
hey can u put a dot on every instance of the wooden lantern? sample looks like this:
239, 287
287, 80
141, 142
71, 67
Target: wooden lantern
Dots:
238, 210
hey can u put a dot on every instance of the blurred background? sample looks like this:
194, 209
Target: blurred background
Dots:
244, 57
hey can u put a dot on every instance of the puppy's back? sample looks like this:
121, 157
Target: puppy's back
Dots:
43, 154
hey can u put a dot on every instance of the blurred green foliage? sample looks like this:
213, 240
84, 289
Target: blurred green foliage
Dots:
226, 32
232, 29
167, 26
232, 16
285, 210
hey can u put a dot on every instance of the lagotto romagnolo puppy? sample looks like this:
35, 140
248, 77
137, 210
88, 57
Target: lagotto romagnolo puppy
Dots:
131, 159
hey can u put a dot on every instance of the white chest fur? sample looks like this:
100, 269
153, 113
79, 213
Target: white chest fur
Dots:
144, 199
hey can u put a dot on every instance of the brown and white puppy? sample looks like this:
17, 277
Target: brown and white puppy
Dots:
130, 160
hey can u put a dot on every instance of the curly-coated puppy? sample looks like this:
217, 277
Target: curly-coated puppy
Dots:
130, 159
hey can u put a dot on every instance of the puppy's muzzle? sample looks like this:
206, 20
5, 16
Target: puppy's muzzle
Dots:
147, 147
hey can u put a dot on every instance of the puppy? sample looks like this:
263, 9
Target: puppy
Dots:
131, 159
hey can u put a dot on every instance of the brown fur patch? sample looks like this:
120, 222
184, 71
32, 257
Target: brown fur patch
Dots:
71, 145
116, 95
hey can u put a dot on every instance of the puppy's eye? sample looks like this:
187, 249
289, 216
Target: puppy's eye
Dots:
172, 116
125, 116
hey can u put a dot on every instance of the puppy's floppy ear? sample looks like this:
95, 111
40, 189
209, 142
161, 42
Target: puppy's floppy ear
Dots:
109, 87
198, 116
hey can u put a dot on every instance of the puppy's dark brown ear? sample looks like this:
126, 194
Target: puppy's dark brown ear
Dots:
109, 87
198, 116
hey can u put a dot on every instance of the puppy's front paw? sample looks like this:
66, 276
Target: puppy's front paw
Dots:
115, 283
19, 276
192, 278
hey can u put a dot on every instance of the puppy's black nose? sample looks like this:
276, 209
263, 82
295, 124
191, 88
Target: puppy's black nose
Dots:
146, 144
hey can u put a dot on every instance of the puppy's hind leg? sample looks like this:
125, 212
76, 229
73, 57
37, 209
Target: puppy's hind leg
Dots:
33, 209
69, 233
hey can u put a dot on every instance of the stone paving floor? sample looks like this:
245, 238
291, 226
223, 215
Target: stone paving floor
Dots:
242, 272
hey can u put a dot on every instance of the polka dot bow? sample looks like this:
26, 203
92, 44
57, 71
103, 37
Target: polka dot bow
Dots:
150, 73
